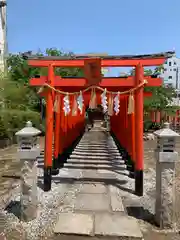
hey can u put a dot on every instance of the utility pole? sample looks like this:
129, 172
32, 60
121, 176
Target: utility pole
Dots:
3, 36
177, 78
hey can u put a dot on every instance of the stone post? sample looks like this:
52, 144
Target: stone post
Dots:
166, 157
28, 151
108, 123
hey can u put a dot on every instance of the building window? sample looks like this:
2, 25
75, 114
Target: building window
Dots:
174, 69
170, 69
170, 77
165, 69
174, 63
170, 64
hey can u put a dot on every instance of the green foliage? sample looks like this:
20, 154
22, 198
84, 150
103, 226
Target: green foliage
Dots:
19, 70
153, 126
147, 72
64, 72
13, 120
16, 95
158, 70
19, 102
161, 96
20, 73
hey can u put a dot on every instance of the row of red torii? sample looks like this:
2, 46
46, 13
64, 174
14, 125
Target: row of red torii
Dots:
65, 128
159, 116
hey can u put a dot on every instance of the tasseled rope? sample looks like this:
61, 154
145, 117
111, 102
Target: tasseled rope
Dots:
80, 101
93, 103
110, 105
75, 106
41, 89
66, 107
131, 103
57, 104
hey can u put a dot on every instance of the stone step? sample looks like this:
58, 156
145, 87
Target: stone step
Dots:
116, 162
101, 141
76, 156
114, 151
95, 153
97, 145
103, 225
97, 140
97, 166
94, 142
105, 148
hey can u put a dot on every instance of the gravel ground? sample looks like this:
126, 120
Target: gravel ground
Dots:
147, 201
61, 198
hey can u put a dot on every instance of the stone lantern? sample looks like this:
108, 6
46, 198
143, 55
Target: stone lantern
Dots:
28, 151
27, 139
166, 156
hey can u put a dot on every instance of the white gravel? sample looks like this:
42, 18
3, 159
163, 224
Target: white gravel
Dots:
59, 199
62, 198
147, 201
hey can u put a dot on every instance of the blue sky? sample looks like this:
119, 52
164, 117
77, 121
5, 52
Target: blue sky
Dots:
112, 26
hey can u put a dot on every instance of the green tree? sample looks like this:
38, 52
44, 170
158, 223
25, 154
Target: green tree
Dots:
147, 72
62, 71
19, 72
19, 101
161, 96
158, 70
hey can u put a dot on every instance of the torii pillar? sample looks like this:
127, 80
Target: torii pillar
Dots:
139, 151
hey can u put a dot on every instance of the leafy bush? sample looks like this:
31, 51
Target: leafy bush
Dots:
12, 121
152, 126
147, 125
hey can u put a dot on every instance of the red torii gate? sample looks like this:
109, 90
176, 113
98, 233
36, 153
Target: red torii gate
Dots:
127, 129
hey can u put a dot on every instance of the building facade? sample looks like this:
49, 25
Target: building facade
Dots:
171, 72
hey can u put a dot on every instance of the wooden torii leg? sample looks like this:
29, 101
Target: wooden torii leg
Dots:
55, 169
139, 162
49, 131
158, 117
61, 155
61, 135
132, 143
153, 117
65, 154
133, 140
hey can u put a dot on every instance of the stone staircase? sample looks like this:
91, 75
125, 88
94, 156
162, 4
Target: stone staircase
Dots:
98, 209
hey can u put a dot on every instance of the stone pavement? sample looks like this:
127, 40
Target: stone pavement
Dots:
98, 210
